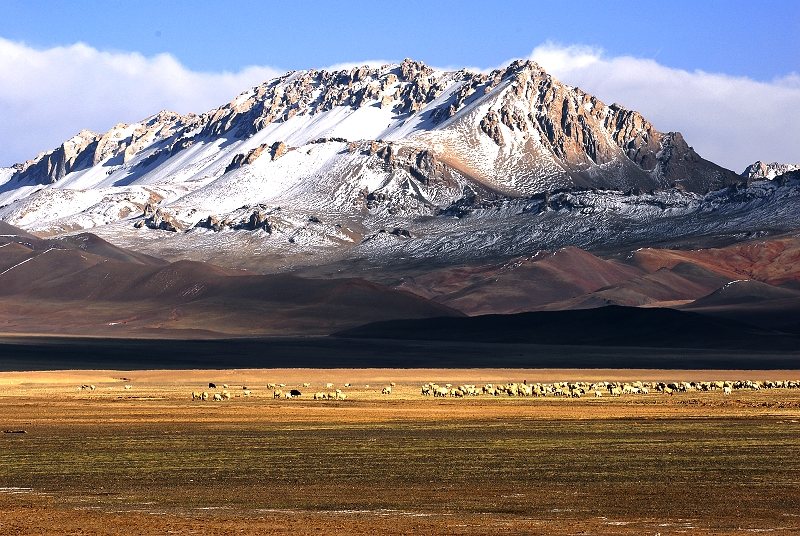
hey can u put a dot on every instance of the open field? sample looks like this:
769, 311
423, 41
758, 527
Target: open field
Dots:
148, 460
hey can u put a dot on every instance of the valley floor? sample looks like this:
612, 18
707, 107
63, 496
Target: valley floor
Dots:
149, 460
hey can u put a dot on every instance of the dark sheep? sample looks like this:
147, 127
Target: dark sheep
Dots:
295, 392
212, 385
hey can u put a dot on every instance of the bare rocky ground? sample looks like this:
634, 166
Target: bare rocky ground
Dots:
149, 460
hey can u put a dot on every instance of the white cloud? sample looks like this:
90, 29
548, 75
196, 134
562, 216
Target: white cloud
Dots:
732, 121
48, 95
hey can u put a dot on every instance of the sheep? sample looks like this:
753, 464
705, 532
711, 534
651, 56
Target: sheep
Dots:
277, 393
127, 387
246, 392
294, 392
92, 387
598, 394
217, 397
340, 395
386, 390
205, 395
392, 384
224, 385
328, 385
212, 385
197, 396
347, 384
271, 386
226, 395
726, 390
306, 384
320, 396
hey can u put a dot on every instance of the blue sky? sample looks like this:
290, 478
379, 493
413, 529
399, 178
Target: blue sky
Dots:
694, 66
759, 39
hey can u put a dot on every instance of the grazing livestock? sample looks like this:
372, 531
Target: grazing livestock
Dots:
226, 395
726, 390
277, 393
127, 387
197, 396
386, 390
306, 384
212, 385
217, 397
328, 385
271, 386
294, 392
320, 396
246, 392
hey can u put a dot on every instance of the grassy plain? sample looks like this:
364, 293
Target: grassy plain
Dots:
148, 460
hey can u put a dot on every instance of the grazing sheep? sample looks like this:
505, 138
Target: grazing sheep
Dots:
271, 386
340, 395
392, 384
226, 395
277, 393
205, 395
212, 385
197, 396
92, 387
387, 390
320, 396
306, 384
217, 397
347, 385
328, 385
246, 392
224, 385
127, 387
726, 390
598, 394
294, 392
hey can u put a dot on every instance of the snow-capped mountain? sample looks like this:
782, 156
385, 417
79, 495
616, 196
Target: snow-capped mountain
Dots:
758, 170
401, 159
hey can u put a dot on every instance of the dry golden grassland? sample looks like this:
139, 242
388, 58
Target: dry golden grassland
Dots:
149, 460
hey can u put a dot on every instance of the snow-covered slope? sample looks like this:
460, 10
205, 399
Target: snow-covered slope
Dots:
759, 170
402, 157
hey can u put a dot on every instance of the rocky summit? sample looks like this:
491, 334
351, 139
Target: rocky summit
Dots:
392, 163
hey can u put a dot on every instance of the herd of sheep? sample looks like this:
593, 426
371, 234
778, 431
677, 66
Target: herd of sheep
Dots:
598, 389
278, 392
515, 389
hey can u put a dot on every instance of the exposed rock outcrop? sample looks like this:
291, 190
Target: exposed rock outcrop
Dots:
276, 150
156, 217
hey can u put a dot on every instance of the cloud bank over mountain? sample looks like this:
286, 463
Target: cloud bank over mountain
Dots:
730, 120
47, 95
